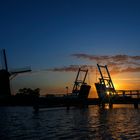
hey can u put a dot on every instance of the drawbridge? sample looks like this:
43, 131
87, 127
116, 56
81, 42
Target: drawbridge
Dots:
108, 94
105, 87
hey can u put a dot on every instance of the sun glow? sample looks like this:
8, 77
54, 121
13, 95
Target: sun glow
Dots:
118, 86
126, 83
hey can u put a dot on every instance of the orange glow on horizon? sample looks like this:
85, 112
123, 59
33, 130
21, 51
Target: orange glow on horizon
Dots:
126, 83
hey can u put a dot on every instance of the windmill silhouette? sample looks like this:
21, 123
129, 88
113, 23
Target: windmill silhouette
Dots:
6, 76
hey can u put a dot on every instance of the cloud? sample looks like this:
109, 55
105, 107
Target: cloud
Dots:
130, 69
72, 68
108, 58
65, 68
117, 63
116, 70
91, 57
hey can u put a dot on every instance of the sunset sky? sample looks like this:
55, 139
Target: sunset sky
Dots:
56, 37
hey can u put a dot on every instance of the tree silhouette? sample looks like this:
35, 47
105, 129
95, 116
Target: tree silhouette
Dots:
28, 92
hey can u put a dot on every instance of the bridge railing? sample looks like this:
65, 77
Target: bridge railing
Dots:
131, 93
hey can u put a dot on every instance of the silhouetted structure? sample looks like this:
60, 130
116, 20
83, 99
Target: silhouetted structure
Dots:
107, 93
4, 84
78, 97
5, 77
79, 84
81, 88
105, 86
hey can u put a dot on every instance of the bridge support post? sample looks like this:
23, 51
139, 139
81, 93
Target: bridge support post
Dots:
135, 105
102, 105
110, 105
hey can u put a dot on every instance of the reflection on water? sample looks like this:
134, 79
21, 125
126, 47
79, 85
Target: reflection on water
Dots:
93, 123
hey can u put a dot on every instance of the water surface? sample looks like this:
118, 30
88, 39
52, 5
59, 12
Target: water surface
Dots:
92, 123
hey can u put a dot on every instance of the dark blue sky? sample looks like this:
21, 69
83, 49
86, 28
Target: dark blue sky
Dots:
45, 33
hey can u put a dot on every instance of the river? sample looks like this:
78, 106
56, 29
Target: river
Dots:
92, 123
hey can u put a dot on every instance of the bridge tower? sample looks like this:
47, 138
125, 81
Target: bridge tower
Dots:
81, 88
105, 87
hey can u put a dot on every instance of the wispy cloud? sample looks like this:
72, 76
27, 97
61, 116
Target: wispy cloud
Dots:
72, 68
127, 79
116, 59
117, 63
129, 69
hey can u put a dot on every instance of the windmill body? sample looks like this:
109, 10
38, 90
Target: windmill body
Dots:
4, 83
6, 76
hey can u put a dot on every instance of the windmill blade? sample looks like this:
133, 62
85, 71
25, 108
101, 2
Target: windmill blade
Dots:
21, 70
13, 76
4, 60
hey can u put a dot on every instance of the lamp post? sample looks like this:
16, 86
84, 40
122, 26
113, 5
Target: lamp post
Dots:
67, 88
